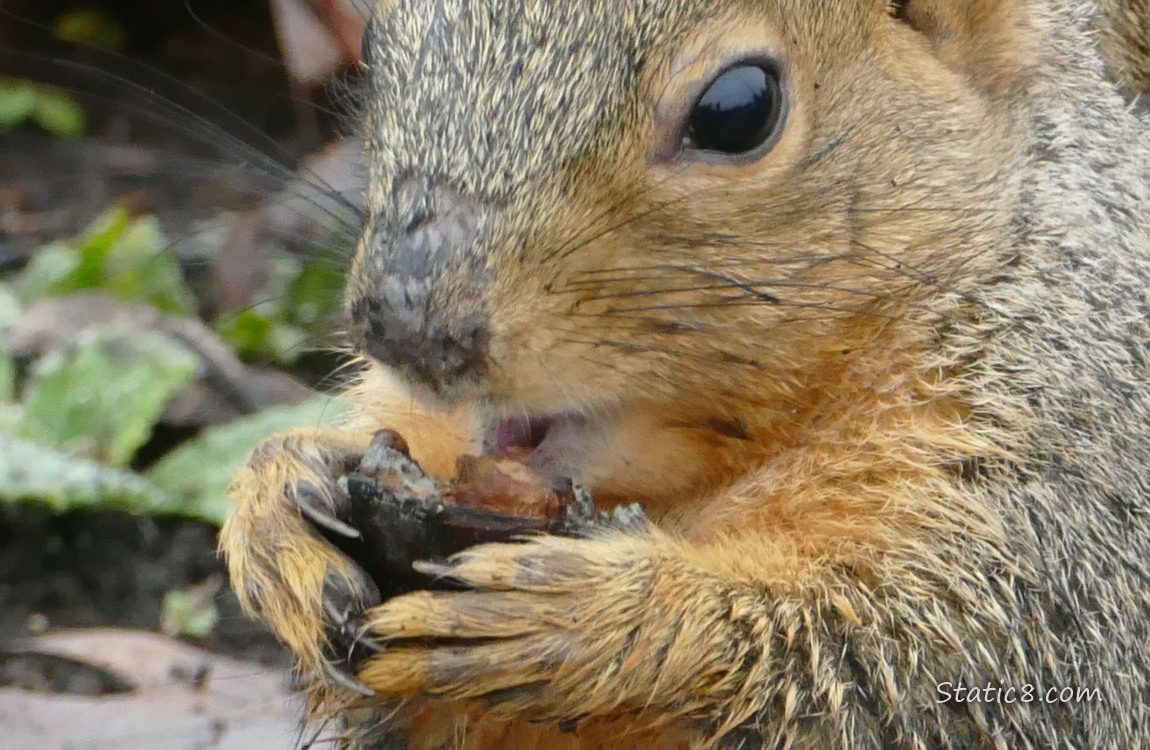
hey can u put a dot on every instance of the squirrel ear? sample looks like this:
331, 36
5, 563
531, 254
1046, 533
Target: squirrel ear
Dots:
988, 41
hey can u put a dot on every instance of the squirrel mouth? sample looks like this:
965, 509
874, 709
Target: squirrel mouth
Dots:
554, 442
510, 436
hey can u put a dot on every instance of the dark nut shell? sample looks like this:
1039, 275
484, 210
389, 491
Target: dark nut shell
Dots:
403, 515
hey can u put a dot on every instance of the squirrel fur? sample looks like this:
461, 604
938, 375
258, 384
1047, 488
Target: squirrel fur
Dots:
883, 390
1124, 40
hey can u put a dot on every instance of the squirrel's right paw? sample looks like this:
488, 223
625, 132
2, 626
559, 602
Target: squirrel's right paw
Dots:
283, 545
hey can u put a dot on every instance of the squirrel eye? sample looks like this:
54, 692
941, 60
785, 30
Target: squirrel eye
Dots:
741, 110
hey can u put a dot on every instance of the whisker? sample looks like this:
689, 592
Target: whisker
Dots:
757, 296
643, 348
175, 116
578, 241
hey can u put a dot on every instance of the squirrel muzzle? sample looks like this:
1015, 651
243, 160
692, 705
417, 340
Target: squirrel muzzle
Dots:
415, 304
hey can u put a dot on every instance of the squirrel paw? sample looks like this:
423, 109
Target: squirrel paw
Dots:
537, 629
515, 624
289, 547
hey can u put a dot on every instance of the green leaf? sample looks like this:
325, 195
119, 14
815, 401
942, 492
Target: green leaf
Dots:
97, 240
63, 268
31, 472
296, 300
9, 306
48, 107
10, 416
246, 330
197, 475
9, 312
254, 334
53, 270
7, 379
140, 266
95, 246
17, 102
129, 257
286, 343
59, 114
314, 294
191, 611
104, 396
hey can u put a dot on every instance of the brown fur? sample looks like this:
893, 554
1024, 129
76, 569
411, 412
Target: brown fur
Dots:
823, 374
1124, 37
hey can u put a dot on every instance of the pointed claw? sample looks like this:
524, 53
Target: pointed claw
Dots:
341, 678
309, 501
438, 570
331, 524
344, 606
361, 639
339, 614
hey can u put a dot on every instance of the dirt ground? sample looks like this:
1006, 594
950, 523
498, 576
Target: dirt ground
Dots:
102, 568
82, 664
98, 569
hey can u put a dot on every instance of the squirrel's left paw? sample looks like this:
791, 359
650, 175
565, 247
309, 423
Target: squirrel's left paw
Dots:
544, 627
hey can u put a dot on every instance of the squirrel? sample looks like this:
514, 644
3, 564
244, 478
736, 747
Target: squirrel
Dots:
853, 298
1124, 31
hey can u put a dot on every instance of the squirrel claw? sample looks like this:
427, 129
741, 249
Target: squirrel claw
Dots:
341, 678
310, 500
347, 635
437, 569
340, 612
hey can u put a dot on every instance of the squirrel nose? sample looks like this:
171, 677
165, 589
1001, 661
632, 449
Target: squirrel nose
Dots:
401, 326
404, 313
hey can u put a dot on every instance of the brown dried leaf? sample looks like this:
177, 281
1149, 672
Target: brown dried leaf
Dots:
183, 698
317, 36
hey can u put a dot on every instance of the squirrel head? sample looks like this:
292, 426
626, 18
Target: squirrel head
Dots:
667, 217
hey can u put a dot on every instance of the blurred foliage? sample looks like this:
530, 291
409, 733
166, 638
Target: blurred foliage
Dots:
72, 421
53, 110
295, 303
101, 399
33, 472
91, 28
9, 311
121, 254
48, 107
196, 475
191, 611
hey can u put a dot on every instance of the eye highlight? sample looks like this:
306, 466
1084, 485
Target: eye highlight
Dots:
742, 109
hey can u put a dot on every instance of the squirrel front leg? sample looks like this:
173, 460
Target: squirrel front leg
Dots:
279, 563
757, 636
288, 509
